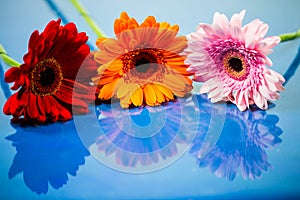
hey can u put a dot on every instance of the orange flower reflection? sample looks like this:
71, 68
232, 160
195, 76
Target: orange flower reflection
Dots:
143, 65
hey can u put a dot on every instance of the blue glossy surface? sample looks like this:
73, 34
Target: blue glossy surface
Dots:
230, 155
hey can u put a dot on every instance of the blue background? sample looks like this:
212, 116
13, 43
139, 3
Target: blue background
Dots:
183, 179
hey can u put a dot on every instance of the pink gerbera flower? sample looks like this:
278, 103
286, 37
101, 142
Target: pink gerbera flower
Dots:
231, 61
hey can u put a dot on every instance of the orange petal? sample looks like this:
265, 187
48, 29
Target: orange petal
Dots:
116, 66
125, 101
149, 22
180, 69
137, 97
124, 89
133, 43
106, 80
186, 85
150, 95
166, 91
176, 63
175, 28
117, 29
125, 37
124, 23
174, 82
177, 45
159, 95
99, 41
132, 23
124, 16
108, 90
147, 36
164, 37
112, 45
164, 25
111, 68
102, 57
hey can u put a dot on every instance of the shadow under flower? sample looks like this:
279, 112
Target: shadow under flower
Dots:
46, 155
290, 72
241, 144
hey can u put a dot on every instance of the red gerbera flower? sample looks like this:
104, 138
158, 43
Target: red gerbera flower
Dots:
47, 77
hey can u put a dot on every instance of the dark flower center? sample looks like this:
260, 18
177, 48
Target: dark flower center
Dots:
142, 63
235, 64
142, 60
46, 77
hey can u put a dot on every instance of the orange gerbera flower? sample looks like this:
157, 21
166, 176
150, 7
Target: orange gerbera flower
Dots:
143, 65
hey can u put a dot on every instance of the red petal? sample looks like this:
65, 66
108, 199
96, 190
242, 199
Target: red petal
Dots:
7, 106
51, 108
52, 25
15, 104
12, 74
33, 39
64, 114
31, 111
40, 106
65, 94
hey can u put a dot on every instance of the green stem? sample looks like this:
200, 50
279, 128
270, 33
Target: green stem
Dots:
289, 36
87, 18
8, 60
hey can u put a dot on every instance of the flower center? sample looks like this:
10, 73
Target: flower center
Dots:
46, 77
235, 65
143, 64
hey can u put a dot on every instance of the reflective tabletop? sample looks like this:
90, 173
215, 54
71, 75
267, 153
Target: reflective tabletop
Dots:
185, 149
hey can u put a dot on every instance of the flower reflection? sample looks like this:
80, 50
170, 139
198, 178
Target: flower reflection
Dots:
241, 144
46, 154
146, 138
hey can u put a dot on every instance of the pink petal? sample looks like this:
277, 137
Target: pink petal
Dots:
279, 76
240, 100
271, 86
263, 90
249, 32
272, 76
262, 30
268, 61
260, 101
270, 42
246, 97
236, 32
216, 92
279, 87
266, 51
194, 36
196, 56
236, 19
199, 79
218, 98
208, 29
220, 20
208, 86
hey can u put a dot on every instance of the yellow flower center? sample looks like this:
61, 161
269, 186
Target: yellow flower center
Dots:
235, 65
46, 77
143, 65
